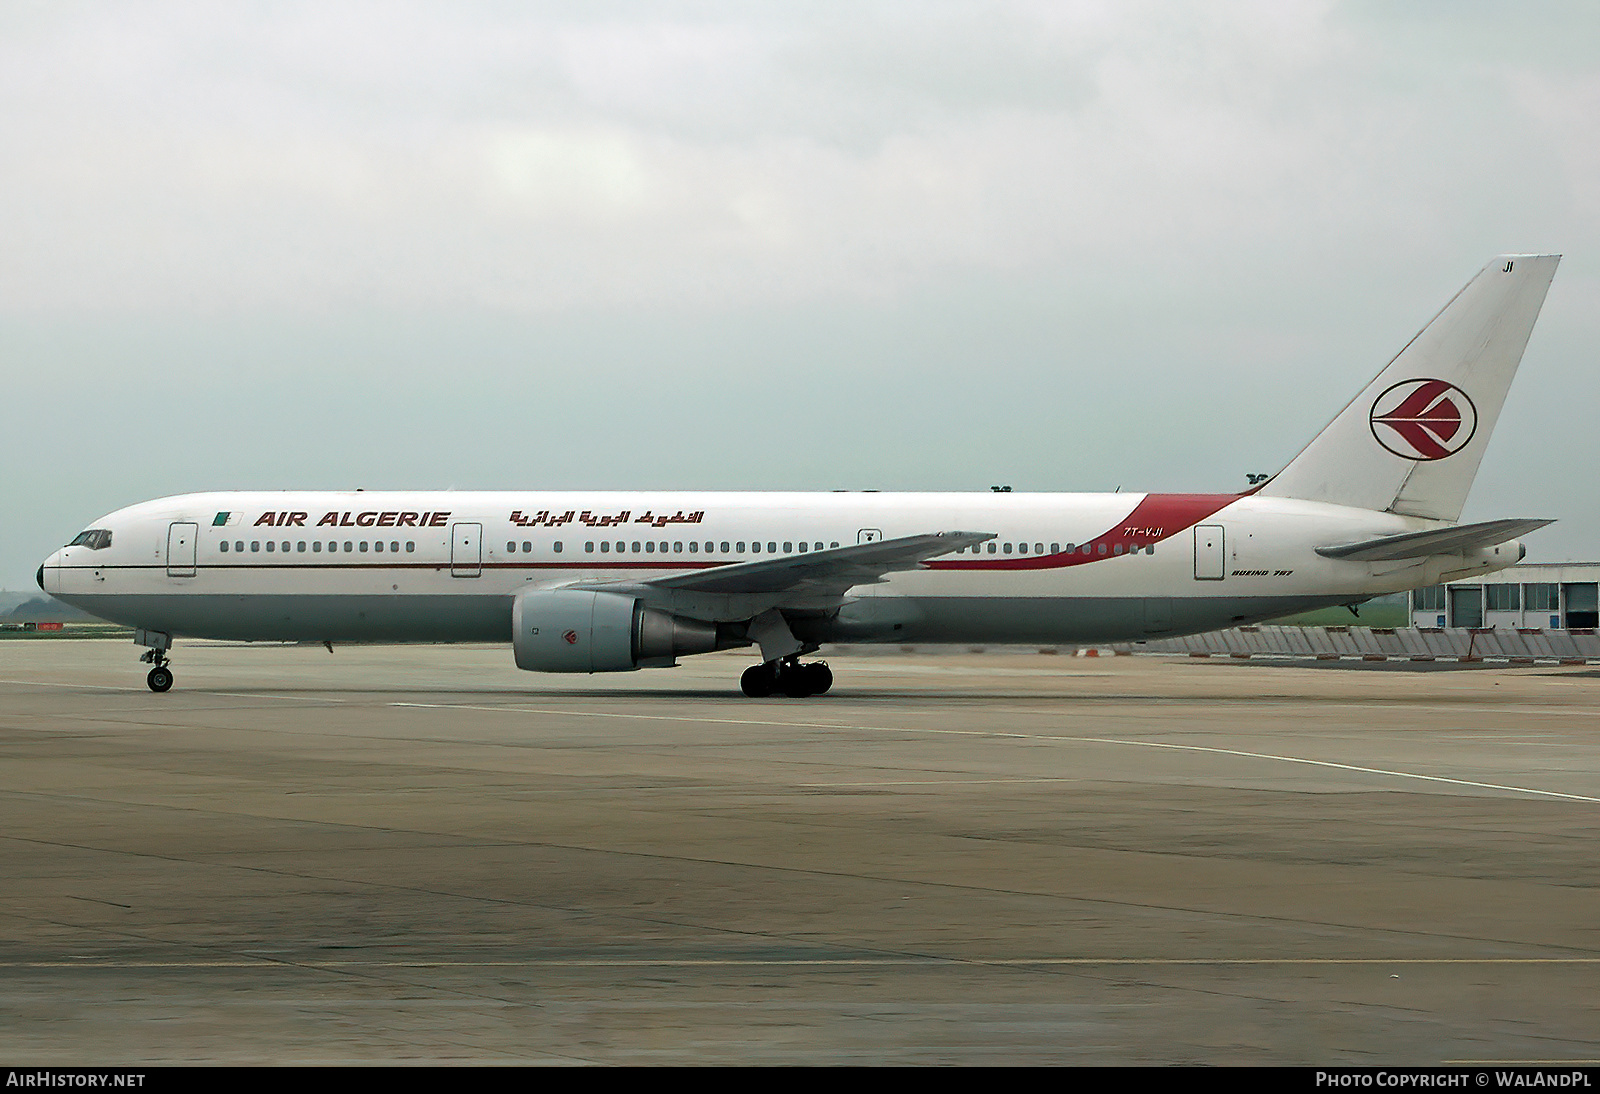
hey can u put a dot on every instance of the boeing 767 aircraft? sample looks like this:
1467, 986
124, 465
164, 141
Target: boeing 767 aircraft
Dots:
596, 581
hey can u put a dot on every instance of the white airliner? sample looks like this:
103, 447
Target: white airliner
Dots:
592, 581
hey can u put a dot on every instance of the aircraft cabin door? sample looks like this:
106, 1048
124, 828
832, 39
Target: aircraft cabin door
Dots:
1210, 563
466, 550
181, 541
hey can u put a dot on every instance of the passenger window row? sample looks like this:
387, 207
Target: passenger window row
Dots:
678, 547
694, 547
316, 546
994, 548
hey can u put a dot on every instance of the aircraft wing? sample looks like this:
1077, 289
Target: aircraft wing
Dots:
829, 572
1438, 541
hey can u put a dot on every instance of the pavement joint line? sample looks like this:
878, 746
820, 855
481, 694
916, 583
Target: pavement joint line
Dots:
264, 695
135, 690
953, 782
1339, 767
1334, 706
55, 684
1547, 1062
800, 962
1020, 736
654, 717
1153, 699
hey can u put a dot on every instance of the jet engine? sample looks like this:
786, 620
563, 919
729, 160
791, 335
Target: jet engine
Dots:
582, 630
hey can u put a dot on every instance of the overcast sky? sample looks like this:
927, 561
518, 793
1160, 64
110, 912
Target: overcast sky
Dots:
920, 246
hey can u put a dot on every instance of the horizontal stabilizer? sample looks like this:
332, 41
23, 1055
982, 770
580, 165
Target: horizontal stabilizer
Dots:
1438, 541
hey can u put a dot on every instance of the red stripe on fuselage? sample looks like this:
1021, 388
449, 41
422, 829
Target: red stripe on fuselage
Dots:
1157, 517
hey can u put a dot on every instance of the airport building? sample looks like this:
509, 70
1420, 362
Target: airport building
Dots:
1543, 595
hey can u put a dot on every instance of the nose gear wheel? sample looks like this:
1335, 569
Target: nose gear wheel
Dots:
159, 677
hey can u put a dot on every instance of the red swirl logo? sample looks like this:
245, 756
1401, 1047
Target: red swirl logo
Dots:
1424, 419
571, 637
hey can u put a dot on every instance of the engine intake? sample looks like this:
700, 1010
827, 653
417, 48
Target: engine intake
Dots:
580, 630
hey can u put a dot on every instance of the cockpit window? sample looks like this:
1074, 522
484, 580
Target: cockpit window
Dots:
94, 539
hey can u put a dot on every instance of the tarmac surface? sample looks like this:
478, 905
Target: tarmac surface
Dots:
423, 855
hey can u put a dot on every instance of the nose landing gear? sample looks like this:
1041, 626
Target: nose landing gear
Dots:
160, 676
786, 676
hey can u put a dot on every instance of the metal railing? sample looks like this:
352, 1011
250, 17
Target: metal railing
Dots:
1383, 643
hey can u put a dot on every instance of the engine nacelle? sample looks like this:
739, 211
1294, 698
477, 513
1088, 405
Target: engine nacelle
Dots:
581, 630
1484, 560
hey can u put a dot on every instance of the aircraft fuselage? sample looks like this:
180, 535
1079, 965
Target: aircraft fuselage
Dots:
445, 566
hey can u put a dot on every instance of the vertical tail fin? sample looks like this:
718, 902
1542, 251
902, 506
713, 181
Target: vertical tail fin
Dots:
1411, 441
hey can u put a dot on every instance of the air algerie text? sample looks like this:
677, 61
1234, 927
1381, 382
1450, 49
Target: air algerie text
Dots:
392, 519
545, 518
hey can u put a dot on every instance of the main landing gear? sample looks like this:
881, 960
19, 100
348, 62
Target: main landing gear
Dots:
786, 676
160, 676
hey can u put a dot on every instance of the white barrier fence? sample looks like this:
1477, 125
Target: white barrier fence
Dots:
1383, 644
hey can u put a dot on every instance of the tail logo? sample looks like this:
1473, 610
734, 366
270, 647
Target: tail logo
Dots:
1424, 419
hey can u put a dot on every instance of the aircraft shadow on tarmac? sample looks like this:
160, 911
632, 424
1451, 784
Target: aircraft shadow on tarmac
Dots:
836, 697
